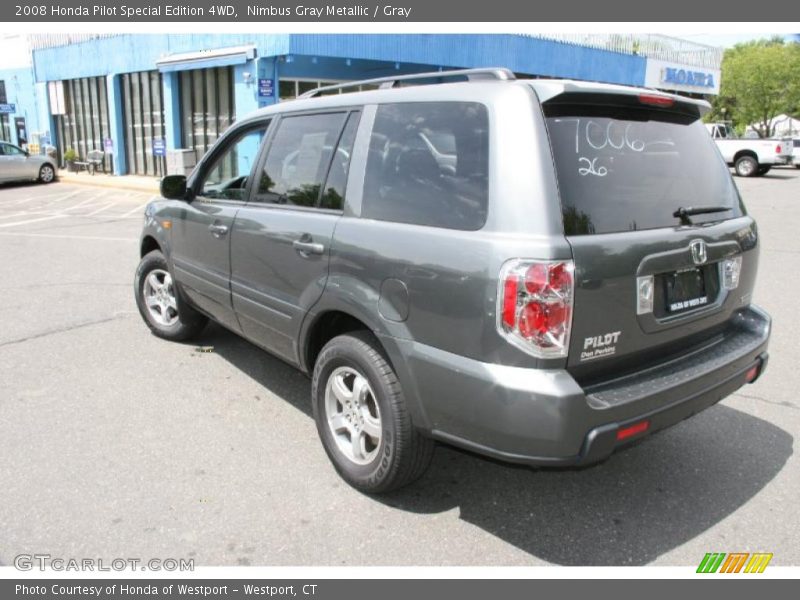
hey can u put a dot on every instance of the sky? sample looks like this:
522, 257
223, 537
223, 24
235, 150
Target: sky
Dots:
13, 52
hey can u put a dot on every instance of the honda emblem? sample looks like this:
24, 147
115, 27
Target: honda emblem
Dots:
699, 254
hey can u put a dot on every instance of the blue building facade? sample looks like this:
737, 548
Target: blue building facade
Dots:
19, 100
137, 97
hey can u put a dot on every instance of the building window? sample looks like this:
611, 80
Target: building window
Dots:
207, 106
84, 124
143, 115
289, 89
3, 97
5, 128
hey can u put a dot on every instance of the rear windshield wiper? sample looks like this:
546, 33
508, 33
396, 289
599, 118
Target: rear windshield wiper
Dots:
684, 213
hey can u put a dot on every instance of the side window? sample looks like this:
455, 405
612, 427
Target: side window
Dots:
298, 159
428, 164
333, 196
227, 177
12, 150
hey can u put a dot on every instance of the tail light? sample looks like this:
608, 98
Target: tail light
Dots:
731, 269
631, 430
778, 149
534, 305
656, 100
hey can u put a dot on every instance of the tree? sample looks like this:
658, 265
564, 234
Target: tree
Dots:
760, 80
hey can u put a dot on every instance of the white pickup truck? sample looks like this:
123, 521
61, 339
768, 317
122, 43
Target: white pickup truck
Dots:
750, 156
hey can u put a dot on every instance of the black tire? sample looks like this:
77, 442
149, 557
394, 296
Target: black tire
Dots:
402, 454
764, 169
47, 174
185, 321
746, 166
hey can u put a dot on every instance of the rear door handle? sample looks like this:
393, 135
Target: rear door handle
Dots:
305, 247
218, 230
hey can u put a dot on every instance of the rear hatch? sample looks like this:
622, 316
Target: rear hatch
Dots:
664, 251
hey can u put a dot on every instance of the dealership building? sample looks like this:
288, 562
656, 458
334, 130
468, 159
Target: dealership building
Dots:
139, 98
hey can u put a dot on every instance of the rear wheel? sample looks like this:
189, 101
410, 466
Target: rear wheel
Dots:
746, 166
47, 173
764, 169
362, 418
157, 299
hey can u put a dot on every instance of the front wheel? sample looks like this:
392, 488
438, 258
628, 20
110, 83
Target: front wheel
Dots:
47, 173
362, 418
746, 166
158, 303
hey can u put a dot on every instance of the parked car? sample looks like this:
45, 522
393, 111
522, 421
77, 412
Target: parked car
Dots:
750, 157
540, 271
17, 164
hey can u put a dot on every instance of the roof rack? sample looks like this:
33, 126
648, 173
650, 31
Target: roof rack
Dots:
383, 83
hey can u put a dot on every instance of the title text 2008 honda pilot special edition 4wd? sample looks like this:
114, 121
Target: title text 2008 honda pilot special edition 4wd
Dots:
536, 270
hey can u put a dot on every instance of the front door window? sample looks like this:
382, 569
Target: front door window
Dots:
227, 177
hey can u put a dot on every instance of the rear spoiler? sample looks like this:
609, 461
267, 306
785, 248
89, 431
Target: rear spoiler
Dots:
586, 92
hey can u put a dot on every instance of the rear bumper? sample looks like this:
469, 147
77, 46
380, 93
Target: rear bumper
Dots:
545, 418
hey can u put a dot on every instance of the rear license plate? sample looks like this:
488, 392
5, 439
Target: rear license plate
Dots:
685, 289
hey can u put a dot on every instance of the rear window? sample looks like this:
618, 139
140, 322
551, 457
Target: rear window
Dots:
428, 164
626, 168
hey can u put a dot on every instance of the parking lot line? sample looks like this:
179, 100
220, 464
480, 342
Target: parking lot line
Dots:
16, 223
59, 197
9, 197
99, 210
138, 209
25, 213
90, 201
61, 236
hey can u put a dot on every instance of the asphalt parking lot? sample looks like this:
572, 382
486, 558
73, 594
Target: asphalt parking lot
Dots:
117, 444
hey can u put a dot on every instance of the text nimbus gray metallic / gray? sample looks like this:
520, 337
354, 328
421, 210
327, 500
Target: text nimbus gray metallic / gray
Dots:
329, 10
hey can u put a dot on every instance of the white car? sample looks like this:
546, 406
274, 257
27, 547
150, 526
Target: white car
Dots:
17, 165
796, 153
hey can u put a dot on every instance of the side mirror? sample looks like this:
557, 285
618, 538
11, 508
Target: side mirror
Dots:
173, 187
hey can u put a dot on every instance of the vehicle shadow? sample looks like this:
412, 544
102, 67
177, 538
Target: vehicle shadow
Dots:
7, 185
779, 175
641, 503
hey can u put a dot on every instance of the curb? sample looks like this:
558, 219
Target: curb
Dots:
109, 181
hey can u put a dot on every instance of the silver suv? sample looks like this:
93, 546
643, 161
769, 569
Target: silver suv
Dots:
540, 271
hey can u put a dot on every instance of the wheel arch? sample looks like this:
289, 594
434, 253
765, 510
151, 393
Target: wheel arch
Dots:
148, 244
742, 153
323, 327
333, 320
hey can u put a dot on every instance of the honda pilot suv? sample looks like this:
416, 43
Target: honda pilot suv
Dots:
539, 271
